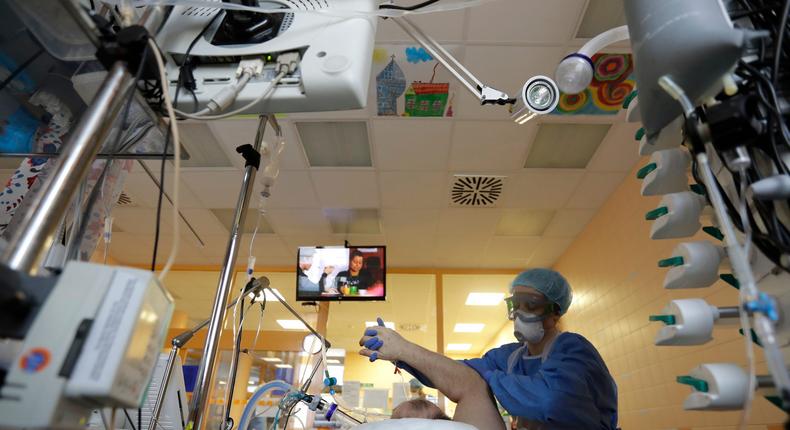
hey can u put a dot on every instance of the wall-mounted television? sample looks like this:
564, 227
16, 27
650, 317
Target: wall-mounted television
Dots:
341, 273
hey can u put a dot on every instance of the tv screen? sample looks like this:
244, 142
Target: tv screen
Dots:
340, 273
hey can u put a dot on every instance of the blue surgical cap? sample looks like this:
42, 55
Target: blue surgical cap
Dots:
553, 285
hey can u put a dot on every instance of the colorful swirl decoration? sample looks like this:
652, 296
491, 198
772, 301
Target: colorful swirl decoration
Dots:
612, 83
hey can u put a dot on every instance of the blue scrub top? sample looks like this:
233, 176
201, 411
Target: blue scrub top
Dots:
570, 388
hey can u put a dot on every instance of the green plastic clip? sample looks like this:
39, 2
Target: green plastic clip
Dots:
713, 231
639, 134
630, 98
699, 189
656, 213
644, 171
696, 383
730, 279
671, 262
666, 319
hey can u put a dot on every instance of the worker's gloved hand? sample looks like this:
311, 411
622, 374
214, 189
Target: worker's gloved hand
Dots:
379, 342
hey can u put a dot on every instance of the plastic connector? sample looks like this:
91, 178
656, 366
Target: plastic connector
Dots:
669, 137
251, 67
716, 387
686, 322
288, 62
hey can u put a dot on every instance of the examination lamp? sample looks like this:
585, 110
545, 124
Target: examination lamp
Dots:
539, 96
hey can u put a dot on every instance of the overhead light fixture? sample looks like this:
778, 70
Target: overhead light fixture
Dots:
332, 361
335, 352
389, 324
284, 366
469, 327
272, 360
222, 382
485, 299
251, 388
292, 324
459, 346
539, 96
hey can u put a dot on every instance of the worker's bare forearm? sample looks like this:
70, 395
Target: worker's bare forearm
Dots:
450, 377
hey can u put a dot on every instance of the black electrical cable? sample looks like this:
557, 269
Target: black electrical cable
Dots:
413, 7
128, 418
186, 64
20, 69
779, 39
159, 200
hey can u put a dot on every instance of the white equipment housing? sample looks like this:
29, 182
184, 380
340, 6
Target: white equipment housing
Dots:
336, 55
94, 343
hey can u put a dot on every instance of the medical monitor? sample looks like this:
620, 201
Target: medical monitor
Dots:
328, 273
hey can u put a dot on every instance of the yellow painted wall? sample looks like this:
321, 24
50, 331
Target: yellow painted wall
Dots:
612, 267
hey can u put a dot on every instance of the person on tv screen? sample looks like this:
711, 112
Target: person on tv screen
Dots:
311, 279
354, 279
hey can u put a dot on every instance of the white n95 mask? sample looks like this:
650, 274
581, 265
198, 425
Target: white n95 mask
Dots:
528, 327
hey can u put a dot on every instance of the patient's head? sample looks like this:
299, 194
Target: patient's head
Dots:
419, 408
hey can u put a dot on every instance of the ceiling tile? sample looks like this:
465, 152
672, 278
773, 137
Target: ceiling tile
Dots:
457, 221
619, 150
367, 240
565, 146
444, 27
548, 251
519, 21
523, 222
145, 193
424, 190
601, 15
410, 249
489, 145
293, 189
511, 249
138, 220
204, 222
505, 68
215, 188
203, 148
266, 246
346, 189
132, 248
409, 221
569, 222
335, 143
298, 221
594, 189
411, 144
460, 250
540, 188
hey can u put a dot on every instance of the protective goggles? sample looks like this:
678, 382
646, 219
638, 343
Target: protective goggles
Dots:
528, 303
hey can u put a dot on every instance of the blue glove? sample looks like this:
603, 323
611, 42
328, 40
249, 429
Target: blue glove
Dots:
374, 343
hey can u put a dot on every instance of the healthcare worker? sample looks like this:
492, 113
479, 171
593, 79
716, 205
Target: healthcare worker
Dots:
549, 379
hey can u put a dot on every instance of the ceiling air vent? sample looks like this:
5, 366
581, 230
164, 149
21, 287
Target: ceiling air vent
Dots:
476, 190
125, 200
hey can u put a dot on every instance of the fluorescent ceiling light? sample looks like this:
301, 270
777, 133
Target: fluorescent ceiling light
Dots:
272, 360
485, 299
389, 324
335, 352
251, 388
292, 324
284, 366
221, 382
332, 361
335, 144
459, 346
469, 327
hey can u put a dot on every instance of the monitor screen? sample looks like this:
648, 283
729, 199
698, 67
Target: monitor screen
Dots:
340, 273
